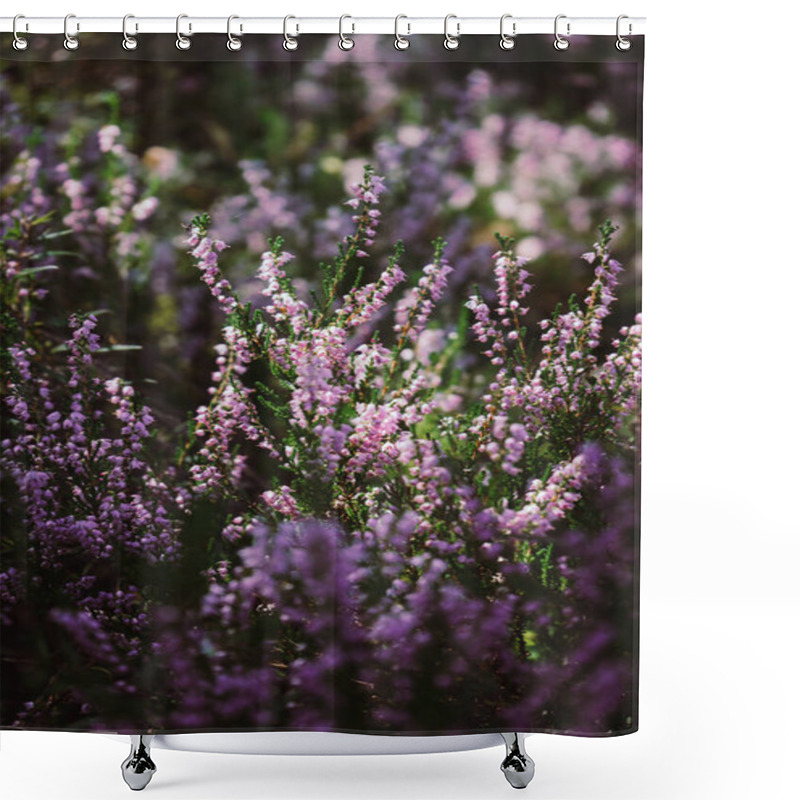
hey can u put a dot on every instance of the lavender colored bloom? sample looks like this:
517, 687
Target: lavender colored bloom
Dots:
388, 521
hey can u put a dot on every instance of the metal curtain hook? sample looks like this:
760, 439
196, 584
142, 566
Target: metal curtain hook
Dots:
289, 42
344, 42
507, 42
234, 43
20, 42
622, 43
451, 42
560, 42
182, 42
400, 42
71, 42
129, 42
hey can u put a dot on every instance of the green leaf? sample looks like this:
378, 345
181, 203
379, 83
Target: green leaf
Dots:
42, 219
33, 270
202, 222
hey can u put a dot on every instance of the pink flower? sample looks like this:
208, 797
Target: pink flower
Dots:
106, 137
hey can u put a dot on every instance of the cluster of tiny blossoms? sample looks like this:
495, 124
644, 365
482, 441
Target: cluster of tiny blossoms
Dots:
205, 252
366, 195
414, 310
570, 382
353, 443
93, 509
83, 490
481, 509
415, 508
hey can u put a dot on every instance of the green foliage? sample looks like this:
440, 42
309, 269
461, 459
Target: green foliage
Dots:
202, 222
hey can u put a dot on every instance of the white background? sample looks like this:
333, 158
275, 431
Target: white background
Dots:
720, 704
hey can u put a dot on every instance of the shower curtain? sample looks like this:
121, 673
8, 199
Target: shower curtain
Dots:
321, 381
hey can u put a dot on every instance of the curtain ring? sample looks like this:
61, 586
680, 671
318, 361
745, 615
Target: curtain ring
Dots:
560, 42
400, 42
622, 43
344, 42
451, 42
507, 42
20, 42
289, 42
71, 42
234, 43
182, 42
129, 42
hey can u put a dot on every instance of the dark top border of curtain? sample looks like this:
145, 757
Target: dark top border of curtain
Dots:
269, 47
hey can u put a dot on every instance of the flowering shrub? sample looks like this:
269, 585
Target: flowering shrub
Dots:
399, 508
243, 489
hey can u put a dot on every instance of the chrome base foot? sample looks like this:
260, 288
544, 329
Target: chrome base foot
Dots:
517, 766
138, 768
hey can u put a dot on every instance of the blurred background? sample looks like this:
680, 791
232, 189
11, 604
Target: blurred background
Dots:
269, 144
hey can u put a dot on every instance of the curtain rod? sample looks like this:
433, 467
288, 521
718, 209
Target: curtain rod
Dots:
404, 25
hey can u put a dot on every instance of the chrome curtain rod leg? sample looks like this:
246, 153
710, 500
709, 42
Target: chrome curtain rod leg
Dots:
517, 766
138, 768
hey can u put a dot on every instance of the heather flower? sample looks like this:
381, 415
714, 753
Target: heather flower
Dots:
106, 137
365, 303
282, 304
413, 311
317, 365
205, 252
371, 443
55, 458
282, 502
393, 502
